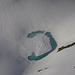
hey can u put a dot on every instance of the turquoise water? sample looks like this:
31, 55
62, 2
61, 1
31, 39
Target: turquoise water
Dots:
52, 42
31, 35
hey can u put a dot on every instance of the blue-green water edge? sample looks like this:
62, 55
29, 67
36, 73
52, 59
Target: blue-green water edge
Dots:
52, 42
31, 35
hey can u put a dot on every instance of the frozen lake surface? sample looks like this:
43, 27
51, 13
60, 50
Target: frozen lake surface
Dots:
47, 46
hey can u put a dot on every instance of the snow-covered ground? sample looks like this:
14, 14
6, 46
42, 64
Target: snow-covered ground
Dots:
18, 18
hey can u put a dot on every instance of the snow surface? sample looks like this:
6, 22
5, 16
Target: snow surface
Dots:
20, 17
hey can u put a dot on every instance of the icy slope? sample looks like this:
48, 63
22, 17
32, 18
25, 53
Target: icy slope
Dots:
58, 63
20, 17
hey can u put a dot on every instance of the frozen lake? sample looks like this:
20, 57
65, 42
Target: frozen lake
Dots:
45, 44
